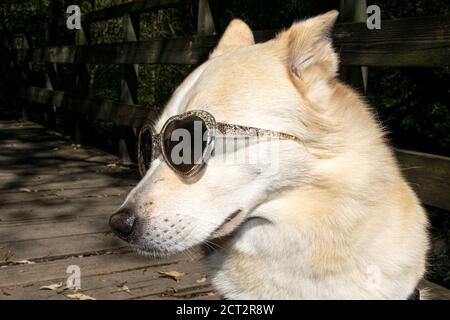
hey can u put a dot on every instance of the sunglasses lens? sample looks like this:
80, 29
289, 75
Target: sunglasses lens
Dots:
184, 144
144, 150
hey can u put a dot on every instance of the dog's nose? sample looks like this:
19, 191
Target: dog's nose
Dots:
122, 223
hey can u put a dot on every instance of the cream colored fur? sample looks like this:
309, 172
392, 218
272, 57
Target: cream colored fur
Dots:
335, 219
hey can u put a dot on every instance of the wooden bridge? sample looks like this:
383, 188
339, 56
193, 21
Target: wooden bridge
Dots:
57, 193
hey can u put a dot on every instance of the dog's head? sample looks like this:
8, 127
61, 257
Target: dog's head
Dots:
279, 85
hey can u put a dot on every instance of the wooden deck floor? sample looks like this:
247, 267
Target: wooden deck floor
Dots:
55, 202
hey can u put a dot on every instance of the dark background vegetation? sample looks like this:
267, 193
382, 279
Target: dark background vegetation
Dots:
411, 103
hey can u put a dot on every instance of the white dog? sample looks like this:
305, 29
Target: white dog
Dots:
333, 219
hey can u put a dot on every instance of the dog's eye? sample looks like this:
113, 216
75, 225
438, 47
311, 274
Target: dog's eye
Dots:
184, 144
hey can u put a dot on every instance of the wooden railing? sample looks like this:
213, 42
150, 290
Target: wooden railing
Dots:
412, 42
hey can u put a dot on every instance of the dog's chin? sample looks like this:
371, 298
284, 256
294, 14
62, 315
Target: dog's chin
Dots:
149, 253
157, 253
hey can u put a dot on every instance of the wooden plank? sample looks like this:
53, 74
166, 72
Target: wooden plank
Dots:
429, 175
53, 271
44, 160
68, 194
141, 278
16, 274
433, 291
57, 228
12, 183
411, 42
70, 245
35, 211
148, 284
118, 113
420, 42
189, 50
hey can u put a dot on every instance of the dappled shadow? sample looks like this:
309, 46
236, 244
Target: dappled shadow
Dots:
54, 189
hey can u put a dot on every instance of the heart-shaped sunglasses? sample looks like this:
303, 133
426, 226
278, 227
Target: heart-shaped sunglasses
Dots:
187, 157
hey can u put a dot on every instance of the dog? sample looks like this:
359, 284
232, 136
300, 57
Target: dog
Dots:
334, 219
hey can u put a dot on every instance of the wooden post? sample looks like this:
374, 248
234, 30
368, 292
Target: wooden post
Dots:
13, 73
354, 11
3, 66
205, 21
25, 74
82, 84
126, 137
50, 73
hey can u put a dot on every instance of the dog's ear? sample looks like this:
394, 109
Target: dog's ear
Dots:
236, 35
309, 43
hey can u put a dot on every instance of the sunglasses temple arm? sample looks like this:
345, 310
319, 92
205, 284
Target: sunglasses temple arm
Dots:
227, 129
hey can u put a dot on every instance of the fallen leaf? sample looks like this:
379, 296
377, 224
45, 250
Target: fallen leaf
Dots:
201, 280
52, 287
24, 262
24, 190
8, 255
6, 293
79, 296
124, 288
175, 275
50, 194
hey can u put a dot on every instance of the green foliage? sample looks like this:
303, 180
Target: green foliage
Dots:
274, 14
15, 13
395, 9
413, 106
158, 82
105, 81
